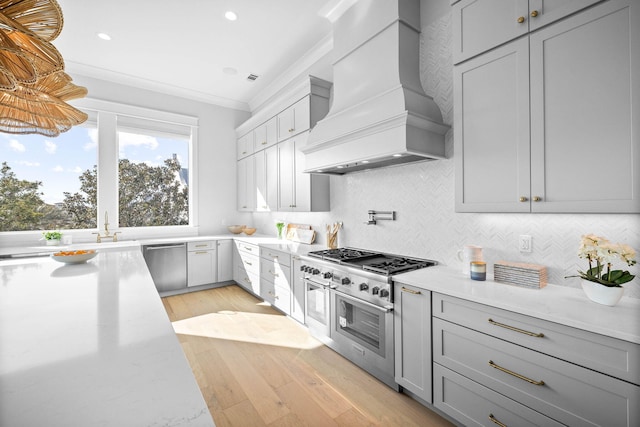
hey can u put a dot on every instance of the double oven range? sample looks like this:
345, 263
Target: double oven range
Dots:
349, 304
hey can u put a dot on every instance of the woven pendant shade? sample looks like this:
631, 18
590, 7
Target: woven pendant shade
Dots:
41, 17
33, 84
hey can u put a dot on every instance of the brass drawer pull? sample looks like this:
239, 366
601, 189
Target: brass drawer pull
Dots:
520, 19
515, 374
201, 252
495, 421
534, 13
523, 199
274, 274
513, 328
248, 263
411, 291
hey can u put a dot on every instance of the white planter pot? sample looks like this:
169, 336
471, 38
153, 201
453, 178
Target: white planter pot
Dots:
602, 294
52, 242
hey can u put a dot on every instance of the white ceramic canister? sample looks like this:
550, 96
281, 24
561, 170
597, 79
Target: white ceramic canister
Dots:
467, 254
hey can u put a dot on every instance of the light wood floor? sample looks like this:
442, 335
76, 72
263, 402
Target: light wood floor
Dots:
256, 367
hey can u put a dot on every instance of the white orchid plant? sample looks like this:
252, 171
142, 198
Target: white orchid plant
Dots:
601, 252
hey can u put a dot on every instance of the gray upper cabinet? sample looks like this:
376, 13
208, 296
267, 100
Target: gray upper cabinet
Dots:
540, 120
480, 25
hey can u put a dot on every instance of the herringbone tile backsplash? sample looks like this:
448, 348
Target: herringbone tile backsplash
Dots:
422, 194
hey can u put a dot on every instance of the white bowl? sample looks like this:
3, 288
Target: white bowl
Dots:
236, 229
74, 259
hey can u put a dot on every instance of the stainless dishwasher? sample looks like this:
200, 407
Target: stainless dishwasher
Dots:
168, 265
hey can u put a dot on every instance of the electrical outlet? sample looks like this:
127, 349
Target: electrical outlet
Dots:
524, 243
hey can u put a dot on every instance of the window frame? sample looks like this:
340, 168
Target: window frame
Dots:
107, 180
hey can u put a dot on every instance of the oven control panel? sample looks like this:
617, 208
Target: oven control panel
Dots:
349, 282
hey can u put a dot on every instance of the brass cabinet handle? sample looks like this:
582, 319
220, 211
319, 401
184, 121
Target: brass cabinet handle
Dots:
513, 328
246, 279
201, 246
515, 374
201, 252
264, 142
411, 291
520, 19
495, 421
274, 274
244, 152
537, 198
534, 13
291, 130
248, 263
523, 199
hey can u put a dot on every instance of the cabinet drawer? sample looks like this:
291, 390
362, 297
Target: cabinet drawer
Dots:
248, 248
280, 257
473, 404
249, 281
563, 391
608, 355
250, 263
275, 273
201, 246
278, 296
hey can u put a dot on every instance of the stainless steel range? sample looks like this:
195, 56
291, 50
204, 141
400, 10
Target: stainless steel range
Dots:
349, 304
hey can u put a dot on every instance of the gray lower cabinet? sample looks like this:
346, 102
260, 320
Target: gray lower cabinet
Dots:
275, 278
530, 363
412, 323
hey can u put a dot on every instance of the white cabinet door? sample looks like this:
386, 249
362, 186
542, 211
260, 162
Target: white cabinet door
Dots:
544, 12
201, 267
294, 119
266, 134
271, 177
225, 260
491, 106
245, 145
246, 184
261, 181
287, 175
584, 128
412, 320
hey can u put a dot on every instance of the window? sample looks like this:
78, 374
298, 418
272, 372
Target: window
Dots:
153, 173
133, 163
45, 182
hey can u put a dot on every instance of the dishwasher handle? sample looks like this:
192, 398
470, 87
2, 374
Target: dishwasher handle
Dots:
155, 248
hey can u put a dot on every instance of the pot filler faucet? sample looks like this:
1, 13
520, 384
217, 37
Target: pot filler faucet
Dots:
375, 216
113, 236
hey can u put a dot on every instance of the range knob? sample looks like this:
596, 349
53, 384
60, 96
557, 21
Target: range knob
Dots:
303, 268
384, 293
327, 275
375, 290
315, 271
364, 286
345, 281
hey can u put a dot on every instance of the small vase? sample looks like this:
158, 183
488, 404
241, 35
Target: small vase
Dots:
53, 242
602, 294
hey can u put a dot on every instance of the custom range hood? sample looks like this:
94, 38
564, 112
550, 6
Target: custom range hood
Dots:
380, 115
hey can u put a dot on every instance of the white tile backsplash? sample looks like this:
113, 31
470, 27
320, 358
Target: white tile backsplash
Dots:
422, 194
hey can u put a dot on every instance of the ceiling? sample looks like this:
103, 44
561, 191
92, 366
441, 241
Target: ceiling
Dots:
183, 47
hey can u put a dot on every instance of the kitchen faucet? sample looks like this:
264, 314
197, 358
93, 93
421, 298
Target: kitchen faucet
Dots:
113, 236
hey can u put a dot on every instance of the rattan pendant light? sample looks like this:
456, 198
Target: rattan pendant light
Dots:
33, 84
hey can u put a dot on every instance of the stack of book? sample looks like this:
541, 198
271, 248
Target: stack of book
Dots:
520, 274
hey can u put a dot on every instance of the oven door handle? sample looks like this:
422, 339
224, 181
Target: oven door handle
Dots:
384, 309
307, 280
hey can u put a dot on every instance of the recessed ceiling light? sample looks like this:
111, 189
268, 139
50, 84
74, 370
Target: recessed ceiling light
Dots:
229, 70
231, 16
104, 36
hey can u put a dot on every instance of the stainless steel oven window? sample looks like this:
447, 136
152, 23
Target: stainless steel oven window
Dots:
362, 323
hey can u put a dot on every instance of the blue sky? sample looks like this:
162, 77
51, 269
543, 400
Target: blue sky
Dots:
58, 162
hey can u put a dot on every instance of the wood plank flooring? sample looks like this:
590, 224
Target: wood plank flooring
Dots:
256, 367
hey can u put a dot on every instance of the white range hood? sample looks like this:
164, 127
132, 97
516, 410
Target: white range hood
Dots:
380, 115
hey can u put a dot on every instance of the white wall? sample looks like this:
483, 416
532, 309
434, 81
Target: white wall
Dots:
422, 194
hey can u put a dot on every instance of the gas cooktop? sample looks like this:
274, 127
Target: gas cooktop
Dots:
377, 262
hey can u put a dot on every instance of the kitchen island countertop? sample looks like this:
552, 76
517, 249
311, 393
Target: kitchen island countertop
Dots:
90, 344
560, 304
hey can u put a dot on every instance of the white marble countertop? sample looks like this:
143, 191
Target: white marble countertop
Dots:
91, 345
559, 304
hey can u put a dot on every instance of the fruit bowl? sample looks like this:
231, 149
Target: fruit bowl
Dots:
249, 231
74, 257
236, 229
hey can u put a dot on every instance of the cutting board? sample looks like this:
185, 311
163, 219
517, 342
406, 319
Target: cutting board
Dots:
300, 233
